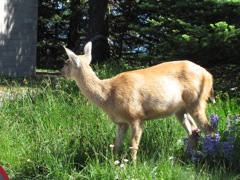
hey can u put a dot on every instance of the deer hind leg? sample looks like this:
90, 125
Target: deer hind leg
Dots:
136, 133
121, 131
198, 113
189, 125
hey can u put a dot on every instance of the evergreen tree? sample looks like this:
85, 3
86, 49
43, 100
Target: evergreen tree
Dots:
206, 32
60, 23
98, 29
141, 31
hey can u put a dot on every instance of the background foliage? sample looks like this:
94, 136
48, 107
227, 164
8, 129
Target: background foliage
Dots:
141, 31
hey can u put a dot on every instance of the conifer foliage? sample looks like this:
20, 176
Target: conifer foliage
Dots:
141, 31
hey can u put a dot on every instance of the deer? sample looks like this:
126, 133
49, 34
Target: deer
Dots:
179, 88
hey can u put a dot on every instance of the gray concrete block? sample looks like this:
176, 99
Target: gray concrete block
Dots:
18, 37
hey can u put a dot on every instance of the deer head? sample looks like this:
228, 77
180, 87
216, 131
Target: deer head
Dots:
75, 62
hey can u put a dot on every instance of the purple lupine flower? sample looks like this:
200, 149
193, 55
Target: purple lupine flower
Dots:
189, 149
214, 121
217, 143
211, 145
194, 157
207, 146
217, 137
191, 152
228, 148
208, 137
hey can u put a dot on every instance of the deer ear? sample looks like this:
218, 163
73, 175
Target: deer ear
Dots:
72, 56
88, 51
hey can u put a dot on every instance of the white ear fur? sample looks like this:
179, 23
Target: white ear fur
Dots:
72, 56
88, 51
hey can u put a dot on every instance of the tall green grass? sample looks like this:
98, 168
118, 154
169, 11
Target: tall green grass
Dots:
53, 132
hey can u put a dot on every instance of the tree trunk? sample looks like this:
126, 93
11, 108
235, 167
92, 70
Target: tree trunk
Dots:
73, 36
98, 30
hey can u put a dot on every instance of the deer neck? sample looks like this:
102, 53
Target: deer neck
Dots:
91, 86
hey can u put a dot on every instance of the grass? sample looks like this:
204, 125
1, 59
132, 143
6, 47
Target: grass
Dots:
52, 132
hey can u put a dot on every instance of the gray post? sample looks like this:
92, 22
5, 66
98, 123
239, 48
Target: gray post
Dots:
18, 37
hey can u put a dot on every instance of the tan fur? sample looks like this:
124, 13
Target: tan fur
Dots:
130, 98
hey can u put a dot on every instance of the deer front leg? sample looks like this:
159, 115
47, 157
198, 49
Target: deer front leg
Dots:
121, 131
136, 133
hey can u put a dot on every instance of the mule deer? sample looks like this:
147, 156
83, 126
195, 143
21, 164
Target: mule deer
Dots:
130, 98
